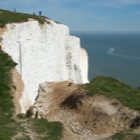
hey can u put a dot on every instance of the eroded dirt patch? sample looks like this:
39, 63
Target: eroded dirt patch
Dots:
85, 116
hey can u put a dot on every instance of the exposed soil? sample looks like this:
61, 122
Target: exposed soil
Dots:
2, 30
17, 89
85, 116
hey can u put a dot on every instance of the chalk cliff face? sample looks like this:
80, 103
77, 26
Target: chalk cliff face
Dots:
44, 53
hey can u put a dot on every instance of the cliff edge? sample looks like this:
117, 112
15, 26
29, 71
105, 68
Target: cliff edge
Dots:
43, 52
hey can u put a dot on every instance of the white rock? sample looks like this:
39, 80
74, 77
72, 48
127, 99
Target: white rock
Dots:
44, 53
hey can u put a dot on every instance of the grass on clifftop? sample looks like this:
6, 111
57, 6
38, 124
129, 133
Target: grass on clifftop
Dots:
111, 87
15, 17
9, 127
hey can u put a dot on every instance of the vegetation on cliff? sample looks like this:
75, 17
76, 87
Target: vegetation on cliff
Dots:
6, 104
126, 135
15, 17
110, 87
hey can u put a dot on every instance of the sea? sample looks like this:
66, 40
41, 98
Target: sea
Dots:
113, 54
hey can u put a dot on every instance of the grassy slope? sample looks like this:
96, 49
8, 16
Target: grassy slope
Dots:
126, 135
127, 95
47, 130
111, 87
14, 17
6, 105
8, 126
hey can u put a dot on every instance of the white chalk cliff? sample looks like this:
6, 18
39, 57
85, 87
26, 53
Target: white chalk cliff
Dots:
44, 53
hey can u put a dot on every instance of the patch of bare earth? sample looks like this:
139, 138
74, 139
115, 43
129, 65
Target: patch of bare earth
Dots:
84, 116
137, 130
2, 30
17, 89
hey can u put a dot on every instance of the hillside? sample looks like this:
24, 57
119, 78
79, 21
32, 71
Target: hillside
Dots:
87, 114
110, 87
65, 108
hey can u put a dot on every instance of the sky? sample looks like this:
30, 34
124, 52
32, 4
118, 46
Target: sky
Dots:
84, 15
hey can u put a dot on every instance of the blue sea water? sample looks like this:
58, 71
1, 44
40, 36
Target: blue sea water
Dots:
113, 54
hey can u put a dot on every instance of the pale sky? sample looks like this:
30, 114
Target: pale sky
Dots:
84, 15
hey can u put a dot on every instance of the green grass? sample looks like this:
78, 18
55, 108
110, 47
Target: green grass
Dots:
14, 17
47, 130
126, 135
6, 104
6, 64
113, 88
5, 78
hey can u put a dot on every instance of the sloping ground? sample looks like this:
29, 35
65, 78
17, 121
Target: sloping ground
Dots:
85, 116
6, 105
110, 87
35, 129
